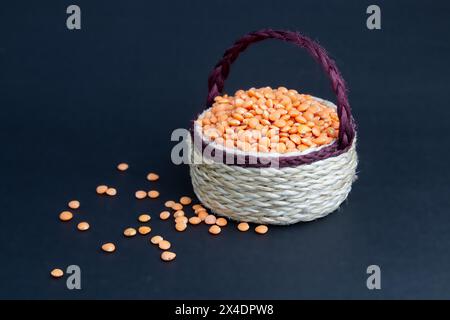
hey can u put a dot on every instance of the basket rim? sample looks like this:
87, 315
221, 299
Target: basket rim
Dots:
256, 159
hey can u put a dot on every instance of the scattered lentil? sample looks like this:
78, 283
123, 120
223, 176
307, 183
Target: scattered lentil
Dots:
101, 189
181, 219
156, 239
140, 194
243, 226
111, 192
152, 176
210, 219
74, 204
109, 247
179, 213
169, 204
153, 194
168, 256
164, 215
144, 230
221, 222
185, 201
177, 206
202, 215
57, 273
129, 232
261, 229
65, 216
122, 166
164, 245
83, 226
195, 220
144, 218
214, 229
180, 226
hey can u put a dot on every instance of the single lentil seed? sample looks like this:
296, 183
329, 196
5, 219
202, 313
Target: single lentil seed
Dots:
57, 273
185, 200
164, 215
169, 204
214, 229
179, 213
261, 229
195, 220
101, 189
83, 226
202, 215
109, 247
197, 206
144, 218
153, 194
168, 256
164, 245
111, 192
140, 194
65, 216
243, 226
221, 222
129, 232
74, 204
156, 239
152, 176
210, 219
144, 230
177, 206
180, 226
181, 219
122, 166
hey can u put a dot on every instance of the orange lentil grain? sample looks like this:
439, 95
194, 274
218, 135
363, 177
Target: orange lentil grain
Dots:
214, 229
109, 247
111, 191
65, 216
74, 204
152, 176
101, 189
261, 229
144, 218
129, 232
168, 256
243, 226
164, 215
164, 245
221, 222
83, 226
122, 166
57, 273
140, 194
153, 194
144, 230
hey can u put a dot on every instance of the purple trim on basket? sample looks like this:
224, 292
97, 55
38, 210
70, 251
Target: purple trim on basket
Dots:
221, 70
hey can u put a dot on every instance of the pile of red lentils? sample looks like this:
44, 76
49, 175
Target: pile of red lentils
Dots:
173, 209
269, 120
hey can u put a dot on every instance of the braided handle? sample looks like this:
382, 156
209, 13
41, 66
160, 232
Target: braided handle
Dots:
221, 70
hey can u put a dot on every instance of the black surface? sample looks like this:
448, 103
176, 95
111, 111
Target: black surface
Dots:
75, 103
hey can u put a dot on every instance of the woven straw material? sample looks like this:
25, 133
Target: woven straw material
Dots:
278, 196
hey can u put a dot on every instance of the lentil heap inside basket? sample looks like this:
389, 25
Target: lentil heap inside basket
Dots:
269, 120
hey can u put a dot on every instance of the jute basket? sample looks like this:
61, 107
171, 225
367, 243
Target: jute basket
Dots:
302, 186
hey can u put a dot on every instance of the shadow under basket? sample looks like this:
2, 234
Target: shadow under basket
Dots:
302, 186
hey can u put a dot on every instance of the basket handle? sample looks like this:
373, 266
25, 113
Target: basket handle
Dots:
221, 70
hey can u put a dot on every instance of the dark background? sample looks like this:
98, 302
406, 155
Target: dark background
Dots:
75, 103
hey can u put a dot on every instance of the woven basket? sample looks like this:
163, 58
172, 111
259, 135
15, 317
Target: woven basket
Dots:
303, 186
